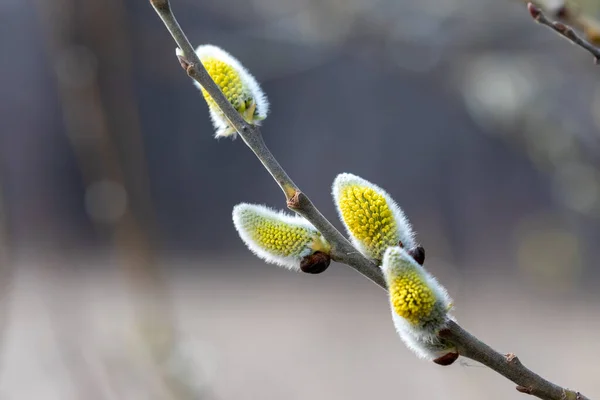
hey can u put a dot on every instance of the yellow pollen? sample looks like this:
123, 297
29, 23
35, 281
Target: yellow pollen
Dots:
411, 298
230, 83
369, 219
278, 237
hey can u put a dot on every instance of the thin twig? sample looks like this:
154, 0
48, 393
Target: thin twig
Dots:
342, 251
565, 12
564, 30
507, 365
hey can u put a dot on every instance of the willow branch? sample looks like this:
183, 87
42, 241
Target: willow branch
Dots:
508, 365
565, 12
342, 251
564, 30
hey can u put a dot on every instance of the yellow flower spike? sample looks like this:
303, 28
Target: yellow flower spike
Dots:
372, 219
238, 86
286, 240
419, 305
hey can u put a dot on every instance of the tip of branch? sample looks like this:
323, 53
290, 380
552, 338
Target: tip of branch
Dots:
524, 389
534, 11
162, 5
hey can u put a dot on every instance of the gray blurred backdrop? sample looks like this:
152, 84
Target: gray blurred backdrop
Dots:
122, 275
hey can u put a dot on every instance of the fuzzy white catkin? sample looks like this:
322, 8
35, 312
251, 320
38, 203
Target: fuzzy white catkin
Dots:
419, 304
276, 237
371, 217
237, 84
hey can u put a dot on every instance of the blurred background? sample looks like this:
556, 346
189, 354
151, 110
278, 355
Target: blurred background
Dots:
122, 276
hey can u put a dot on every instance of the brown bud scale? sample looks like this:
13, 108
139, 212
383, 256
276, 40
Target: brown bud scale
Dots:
418, 254
534, 11
315, 263
183, 62
446, 359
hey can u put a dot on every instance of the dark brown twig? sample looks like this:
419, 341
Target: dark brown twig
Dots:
342, 251
564, 30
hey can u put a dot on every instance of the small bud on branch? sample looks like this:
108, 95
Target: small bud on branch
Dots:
315, 263
563, 30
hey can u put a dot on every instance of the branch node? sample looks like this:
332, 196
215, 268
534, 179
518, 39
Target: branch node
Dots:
560, 27
185, 64
523, 389
191, 70
511, 358
294, 201
565, 30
